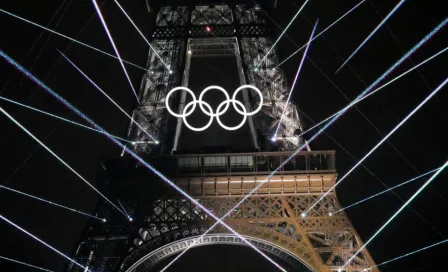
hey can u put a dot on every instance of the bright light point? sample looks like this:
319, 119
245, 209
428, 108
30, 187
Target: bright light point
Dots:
134, 143
130, 219
256, 69
189, 52
170, 71
208, 29
303, 214
273, 139
339, 270
273, 69
104, 220
330, 214
157, 142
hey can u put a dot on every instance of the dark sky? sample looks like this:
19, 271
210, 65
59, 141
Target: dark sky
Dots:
419, 146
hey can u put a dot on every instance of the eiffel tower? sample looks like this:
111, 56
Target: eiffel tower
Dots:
218, 167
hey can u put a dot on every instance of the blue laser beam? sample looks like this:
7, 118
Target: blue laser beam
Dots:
380, 142
141, 34
100, 15
42, 242
67, 37
295, 80
385, 191
56, 156
426, 38
281, 35
134, 155
58, 117
372, 33
410, 253
49, 202
108, 97
25, 264
399, 210
376, 90
320, 33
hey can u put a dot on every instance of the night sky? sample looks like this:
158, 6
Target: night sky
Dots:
419, 146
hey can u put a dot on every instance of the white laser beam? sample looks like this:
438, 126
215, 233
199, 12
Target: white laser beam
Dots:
100, 15
25, 264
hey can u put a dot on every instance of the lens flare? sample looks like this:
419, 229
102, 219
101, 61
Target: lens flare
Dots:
97, 8
380, 142
135, 156
295, 79
281, 35
107, 96
399, 210
40, 241
320, 33
49, 202
67, 37
58, 117
372, 33
25, 264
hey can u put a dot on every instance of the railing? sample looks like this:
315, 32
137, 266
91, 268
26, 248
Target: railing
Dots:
255, 163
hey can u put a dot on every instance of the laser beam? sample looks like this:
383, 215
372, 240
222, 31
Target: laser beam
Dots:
42, 242
60, 118
108, 97
426, 38
379, 143
49, 202
295, 80
372, 33
399, 210
25, 264
320, 33
281, 35
410, 253
97, 8
67, 37
385, 191
141, 34
57, 157
134, 155
376, 90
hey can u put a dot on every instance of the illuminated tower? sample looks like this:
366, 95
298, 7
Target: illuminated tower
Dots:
216, 166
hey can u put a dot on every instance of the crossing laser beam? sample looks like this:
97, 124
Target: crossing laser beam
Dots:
107, 96
56, 156
40, 241
295, 80
399, 210
385, 191
320, 33
336, 116
25, 264
372, 33
67, 37
97, 8
49, 202
60, 118
379, 143
410, 253
376, 90
141, 34
134, 155
281, 35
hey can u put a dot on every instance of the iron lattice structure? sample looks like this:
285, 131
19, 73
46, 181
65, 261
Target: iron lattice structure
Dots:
164, 223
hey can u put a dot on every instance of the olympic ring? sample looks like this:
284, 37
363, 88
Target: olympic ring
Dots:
207, 109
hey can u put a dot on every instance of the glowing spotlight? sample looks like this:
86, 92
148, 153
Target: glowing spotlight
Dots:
273, 139
157, 142
67, 37
208, 29
382, 141
339, 270
322, 32
372, 33
189, 52
25, 264
295, 79
130, 219
330, 214
273, 69
141, 34
284, 31
58, 117
107, 96
104, 220
97, 8
40, 241
256, 69
303, 214
399, 210
47, 201
170, 72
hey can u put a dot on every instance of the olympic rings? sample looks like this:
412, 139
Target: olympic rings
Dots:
207, 109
